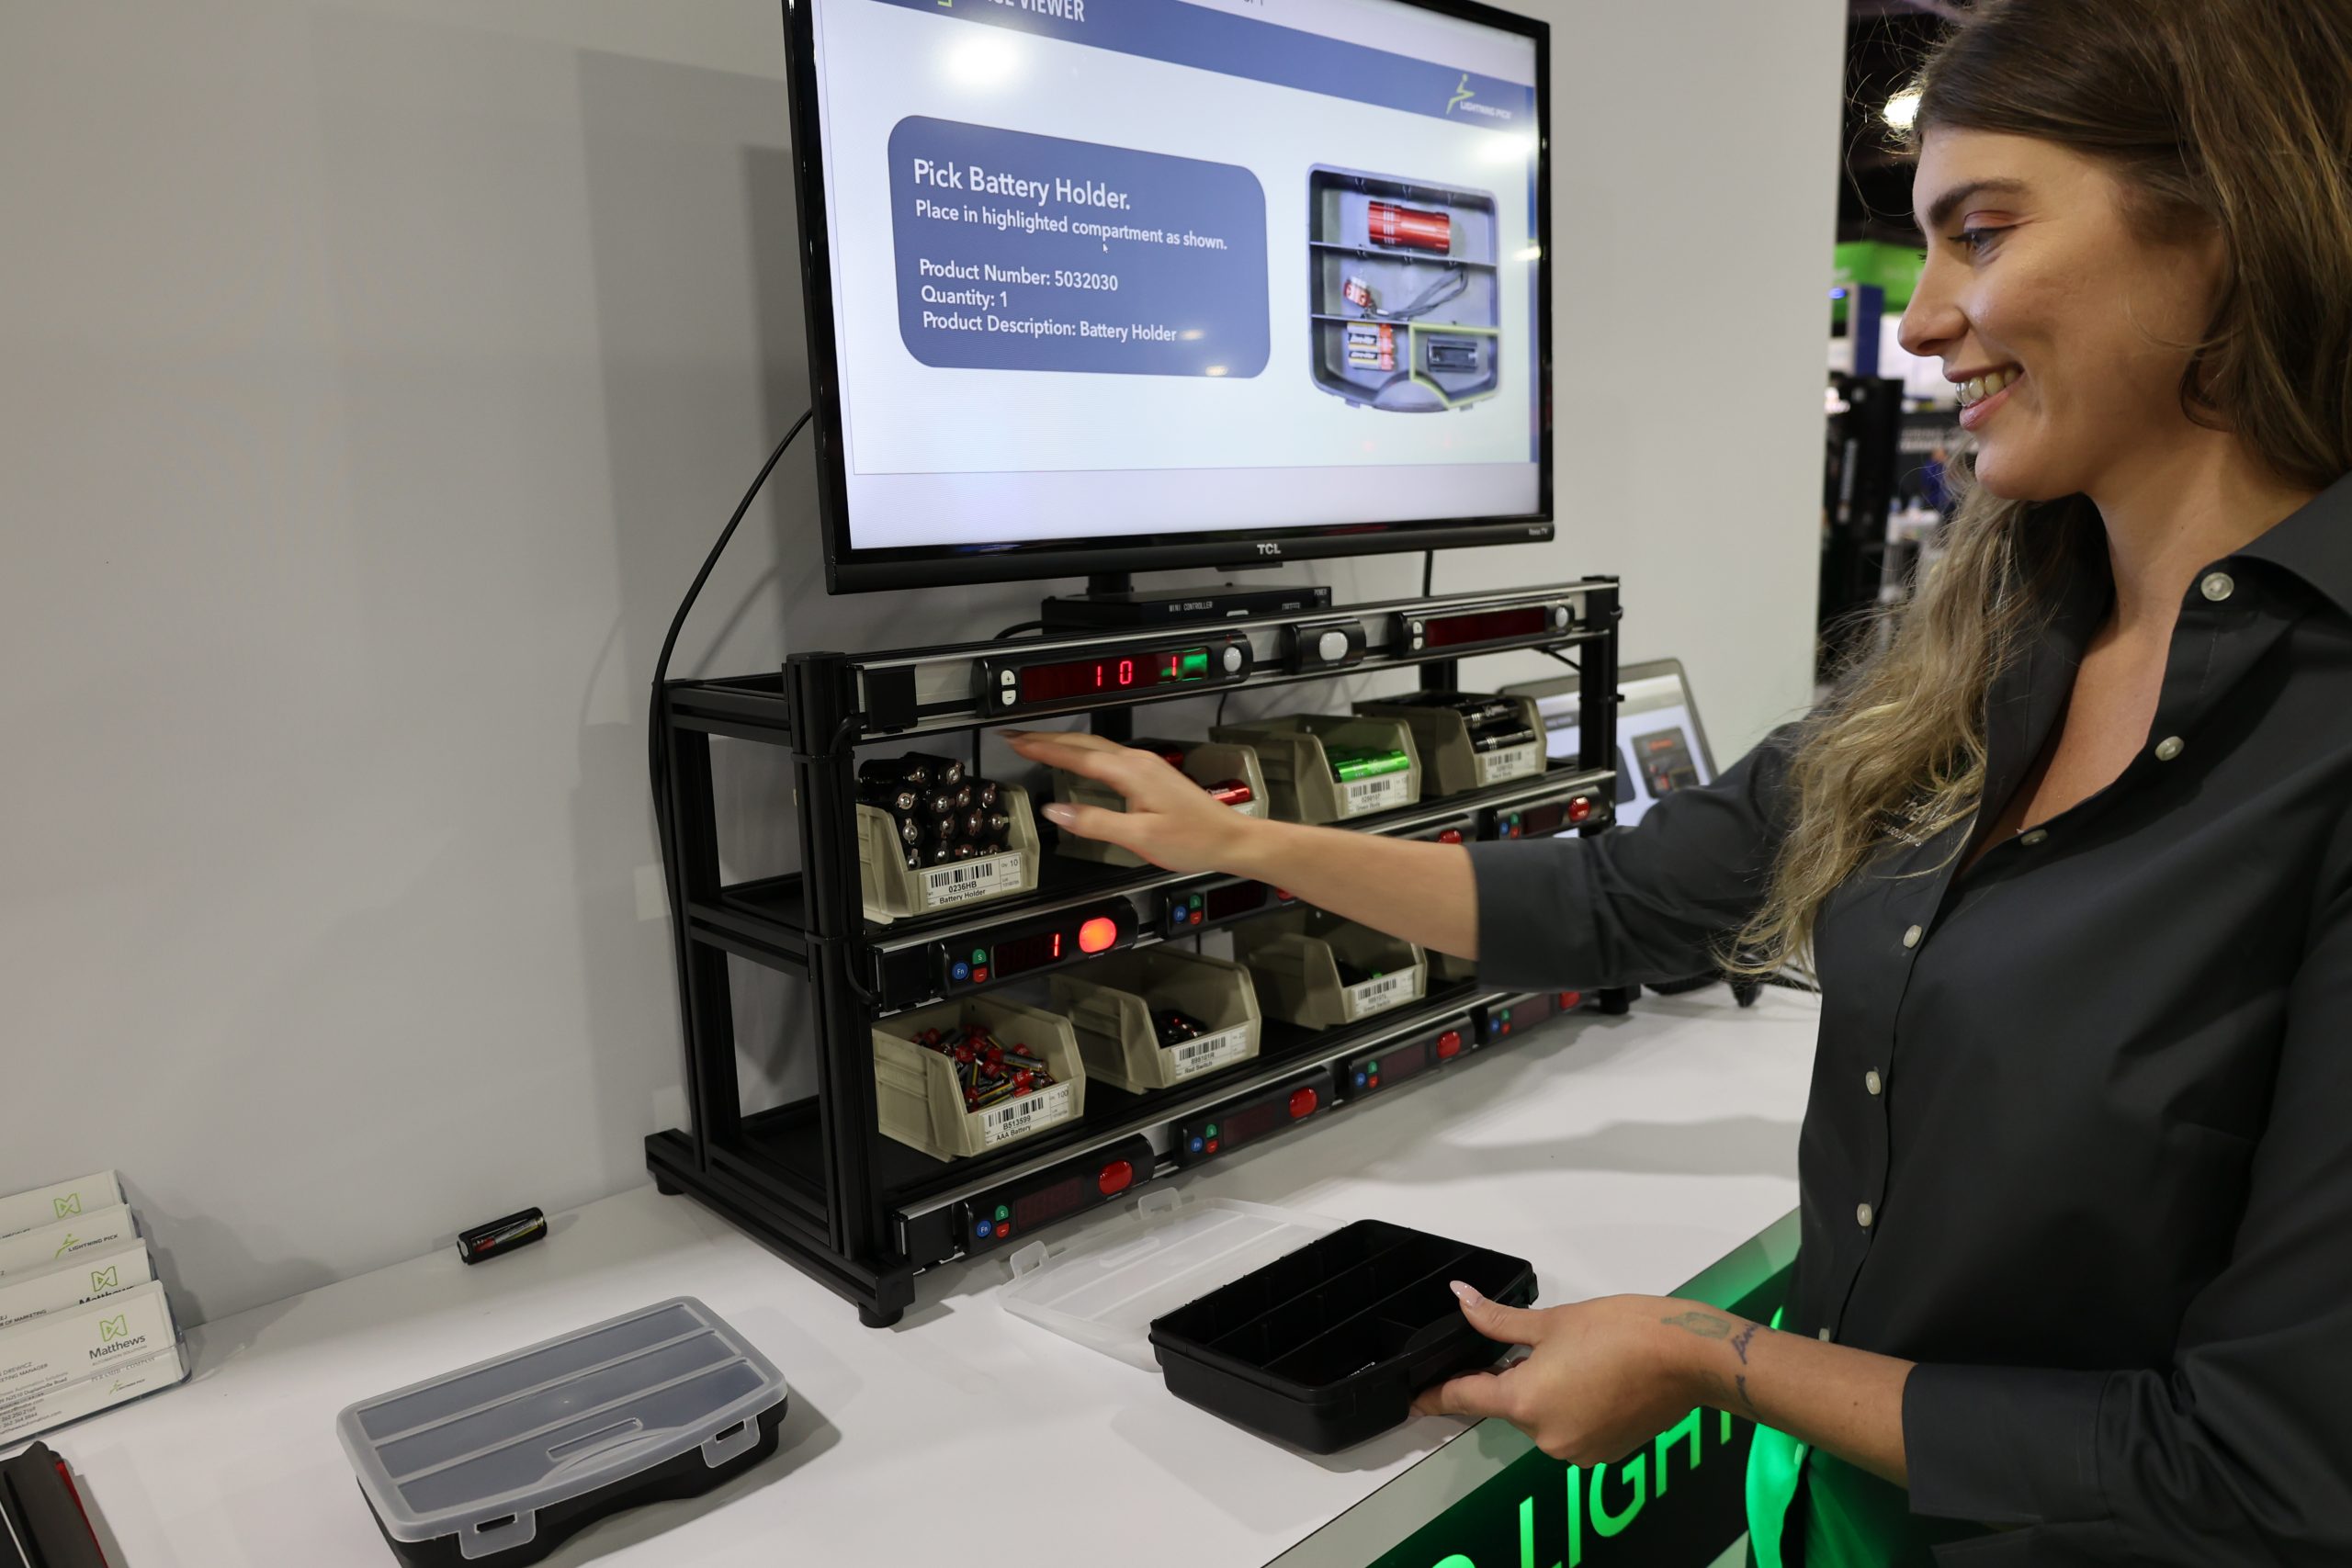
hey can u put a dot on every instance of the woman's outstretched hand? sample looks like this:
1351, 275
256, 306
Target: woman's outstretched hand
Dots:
1170, 820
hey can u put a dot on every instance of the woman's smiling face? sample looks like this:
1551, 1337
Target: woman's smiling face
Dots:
2068, 328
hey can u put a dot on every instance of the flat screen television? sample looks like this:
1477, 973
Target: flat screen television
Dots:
1099, 286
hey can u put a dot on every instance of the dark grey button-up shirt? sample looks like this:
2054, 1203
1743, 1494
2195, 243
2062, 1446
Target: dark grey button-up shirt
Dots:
2080, 1134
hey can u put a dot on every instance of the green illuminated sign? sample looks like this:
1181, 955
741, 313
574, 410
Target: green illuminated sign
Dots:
1541, 1513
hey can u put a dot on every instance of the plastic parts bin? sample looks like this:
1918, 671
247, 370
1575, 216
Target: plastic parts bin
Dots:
500, 1462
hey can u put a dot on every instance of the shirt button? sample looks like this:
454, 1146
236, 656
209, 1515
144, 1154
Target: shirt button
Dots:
2168, 748
2217, 586
1825, 1335
1863, 1215
1872, 1082
1911, 937
2029, 839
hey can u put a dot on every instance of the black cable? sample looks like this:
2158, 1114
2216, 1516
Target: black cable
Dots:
1555, 653
658, 740
1017, 627
1220, 708
1428, 571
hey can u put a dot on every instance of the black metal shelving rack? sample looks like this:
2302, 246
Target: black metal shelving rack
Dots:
815, 1180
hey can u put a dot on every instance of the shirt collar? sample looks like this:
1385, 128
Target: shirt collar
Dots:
2314, 543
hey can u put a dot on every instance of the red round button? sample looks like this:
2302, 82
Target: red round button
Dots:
1579, 808
1450, 836
1571, 1000
1117, 1176
1450, 1043
1303, 1103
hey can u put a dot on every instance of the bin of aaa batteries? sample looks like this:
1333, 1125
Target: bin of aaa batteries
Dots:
964, 1077
1229, 773
1330, 767
1468, 740
1316, 970
931, 837
1155, 1016
1315, 1333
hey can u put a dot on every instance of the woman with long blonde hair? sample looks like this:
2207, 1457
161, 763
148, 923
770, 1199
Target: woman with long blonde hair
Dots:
2072, 860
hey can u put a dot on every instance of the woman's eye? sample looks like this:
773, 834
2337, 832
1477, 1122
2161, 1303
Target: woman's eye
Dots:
1976, 240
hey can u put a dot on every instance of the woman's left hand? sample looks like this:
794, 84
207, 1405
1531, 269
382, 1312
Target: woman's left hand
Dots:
1601, 1377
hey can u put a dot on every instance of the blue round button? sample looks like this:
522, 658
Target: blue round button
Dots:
1359, 1080
1196, 1146
961, 972
984, 1230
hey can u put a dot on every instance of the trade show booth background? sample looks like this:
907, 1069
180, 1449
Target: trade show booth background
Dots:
373, 376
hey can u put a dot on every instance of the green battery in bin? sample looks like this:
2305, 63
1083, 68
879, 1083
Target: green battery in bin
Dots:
1349, 763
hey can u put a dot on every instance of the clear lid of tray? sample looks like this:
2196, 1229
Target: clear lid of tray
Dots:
1166, 1249
478, 1451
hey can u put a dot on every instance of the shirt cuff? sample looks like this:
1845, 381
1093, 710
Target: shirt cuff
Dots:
2004, 1445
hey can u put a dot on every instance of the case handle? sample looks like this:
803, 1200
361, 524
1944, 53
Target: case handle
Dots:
1028, 1259
498, 1535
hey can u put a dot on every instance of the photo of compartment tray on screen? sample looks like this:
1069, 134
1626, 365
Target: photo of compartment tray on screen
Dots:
1404, 293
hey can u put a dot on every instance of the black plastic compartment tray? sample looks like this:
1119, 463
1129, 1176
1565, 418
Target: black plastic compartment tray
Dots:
683, 1476
1326, 1346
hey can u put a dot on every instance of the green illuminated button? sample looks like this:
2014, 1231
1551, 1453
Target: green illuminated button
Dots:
1372, 1067
1212, 1129
980, 955
1194, 666
1003, 1213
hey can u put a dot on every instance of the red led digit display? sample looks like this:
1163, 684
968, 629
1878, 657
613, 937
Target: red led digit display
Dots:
1029, 952
1235, 899
1492, 626
1092, 677
1050, 1202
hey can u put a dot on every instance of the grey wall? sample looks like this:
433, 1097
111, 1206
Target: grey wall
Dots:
373, 377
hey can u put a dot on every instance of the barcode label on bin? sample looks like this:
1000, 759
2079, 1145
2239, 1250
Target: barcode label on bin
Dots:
1360, 795
961, 880
1516, 763
1221, 1049
1042, 1110
1371, 996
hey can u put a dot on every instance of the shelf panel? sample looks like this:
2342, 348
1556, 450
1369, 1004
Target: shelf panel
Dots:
771, 915
789, 1138
1426, 258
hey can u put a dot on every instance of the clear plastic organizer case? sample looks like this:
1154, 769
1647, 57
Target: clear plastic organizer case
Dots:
1315, 1334
500, 1462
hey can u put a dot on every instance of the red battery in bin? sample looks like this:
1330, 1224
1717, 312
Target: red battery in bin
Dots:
1410, 226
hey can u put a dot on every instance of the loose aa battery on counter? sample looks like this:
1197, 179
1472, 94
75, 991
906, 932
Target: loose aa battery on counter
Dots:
1350, 765
1410, 226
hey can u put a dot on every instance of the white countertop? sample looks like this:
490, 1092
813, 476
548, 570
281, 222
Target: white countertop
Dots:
1622, 1154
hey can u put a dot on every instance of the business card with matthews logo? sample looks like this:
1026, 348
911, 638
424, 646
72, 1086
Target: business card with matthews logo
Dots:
65, 1200
84, 1276
65, 1365
28, 1250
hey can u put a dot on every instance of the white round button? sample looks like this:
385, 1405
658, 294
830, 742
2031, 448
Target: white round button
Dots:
1872, 1082
1232, 659
1863, 1215
2217, 586
2037, 836
2168, 748
1911, 937
1332, 647
1559, 615
1005, 699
